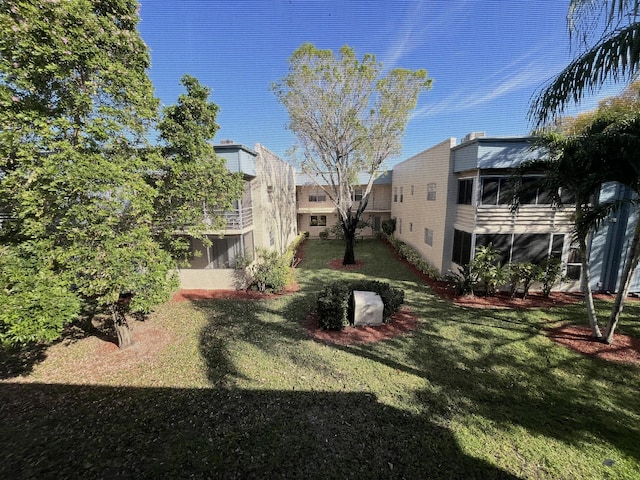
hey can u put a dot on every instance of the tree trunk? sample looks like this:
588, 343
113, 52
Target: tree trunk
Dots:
625, 283
125, 337
349, 229
586, 288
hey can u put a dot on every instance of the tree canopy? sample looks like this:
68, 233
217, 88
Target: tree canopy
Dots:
349, 117
82, 190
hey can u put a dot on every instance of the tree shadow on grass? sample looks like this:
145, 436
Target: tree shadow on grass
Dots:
500, 366
64, 431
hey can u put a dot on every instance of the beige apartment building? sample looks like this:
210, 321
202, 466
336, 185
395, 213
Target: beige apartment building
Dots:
446, 200
424, 189
316, 212
265, 217
450, 198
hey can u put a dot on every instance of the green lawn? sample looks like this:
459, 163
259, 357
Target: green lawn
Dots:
240, 391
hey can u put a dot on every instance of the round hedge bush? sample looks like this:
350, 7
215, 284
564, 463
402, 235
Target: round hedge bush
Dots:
335, 308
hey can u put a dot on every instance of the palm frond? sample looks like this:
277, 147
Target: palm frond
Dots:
616, 57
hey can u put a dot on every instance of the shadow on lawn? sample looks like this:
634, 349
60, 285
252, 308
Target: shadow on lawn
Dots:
65, 431
515, 378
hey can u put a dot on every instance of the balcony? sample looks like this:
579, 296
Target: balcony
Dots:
237, 219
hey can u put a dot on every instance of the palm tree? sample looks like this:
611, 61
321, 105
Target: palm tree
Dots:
607, 150
568, 178
615, 55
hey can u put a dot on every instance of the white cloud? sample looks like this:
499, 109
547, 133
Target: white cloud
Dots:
415, 29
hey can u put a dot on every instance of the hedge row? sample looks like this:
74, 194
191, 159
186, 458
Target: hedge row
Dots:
335, 308
412, 256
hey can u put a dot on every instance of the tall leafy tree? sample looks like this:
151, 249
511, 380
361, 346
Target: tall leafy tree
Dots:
608, 33
193, 184
348, 117
76, 105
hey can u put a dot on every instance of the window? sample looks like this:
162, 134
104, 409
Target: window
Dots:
317, 197
411, 189
523, 248
574, 263
410, 226
401, 194
497, 191
357, 194
530, 247
500, 191
465, 191
461, 247
318, 221
395, 194
428, 236
566, 197
500, 242
431, 192
270, 193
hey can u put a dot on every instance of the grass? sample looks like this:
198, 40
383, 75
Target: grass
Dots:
242, 392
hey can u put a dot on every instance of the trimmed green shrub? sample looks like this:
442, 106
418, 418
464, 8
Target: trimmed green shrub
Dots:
388, 226
490, 273
463, 281
272, 271
550, 274
523, 274
334, 305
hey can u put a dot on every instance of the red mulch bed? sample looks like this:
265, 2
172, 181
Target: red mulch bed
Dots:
625, 349
401, 322
200, 294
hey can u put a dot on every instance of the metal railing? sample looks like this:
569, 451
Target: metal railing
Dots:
237, 219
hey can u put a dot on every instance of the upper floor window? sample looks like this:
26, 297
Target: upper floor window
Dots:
465, 191
395, 194
411, 189
357, 194
431, 191
401, 194
317, 197
500, 191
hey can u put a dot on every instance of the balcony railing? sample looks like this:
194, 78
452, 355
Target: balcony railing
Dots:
237, 219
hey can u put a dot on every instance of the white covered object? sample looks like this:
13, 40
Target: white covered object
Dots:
368, 308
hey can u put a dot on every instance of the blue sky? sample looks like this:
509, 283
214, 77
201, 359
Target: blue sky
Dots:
486, 58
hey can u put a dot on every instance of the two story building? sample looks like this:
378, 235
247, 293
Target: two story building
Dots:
316, 212
452, 198
265, 217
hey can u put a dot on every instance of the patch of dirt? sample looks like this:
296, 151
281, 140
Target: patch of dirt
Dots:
625, 349
98, 357
401, 322
336, 264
